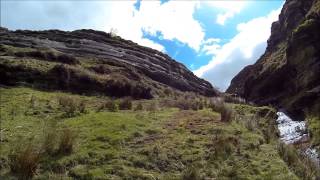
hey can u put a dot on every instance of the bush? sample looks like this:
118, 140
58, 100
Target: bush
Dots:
191, 173
112, 106
67, 141
288, 153
168, 92
49, 142
218, 105
226, 114
68, 105
82, 107
32, 101
125, 104
109, 105
139, 107
153, 106
222, 145
71, 106
187, 104
302, 166
49, 56
231, 98
24, 162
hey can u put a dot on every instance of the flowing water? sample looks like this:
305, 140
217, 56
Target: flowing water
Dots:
296, 132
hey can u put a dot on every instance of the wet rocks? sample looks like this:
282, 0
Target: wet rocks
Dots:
295, 132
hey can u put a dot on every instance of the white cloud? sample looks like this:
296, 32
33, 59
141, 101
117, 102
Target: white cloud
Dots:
173, 20
229, 8
126, 24
243, 49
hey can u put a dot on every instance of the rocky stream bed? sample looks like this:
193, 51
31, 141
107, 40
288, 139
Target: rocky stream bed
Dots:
296, 132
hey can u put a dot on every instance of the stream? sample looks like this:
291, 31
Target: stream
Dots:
292, 132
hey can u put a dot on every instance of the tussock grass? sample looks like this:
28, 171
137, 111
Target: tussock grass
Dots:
128, 144
125, 104
66, 141
24, 161
218, 105
302, 166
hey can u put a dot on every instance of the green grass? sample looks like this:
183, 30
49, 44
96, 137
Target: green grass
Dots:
163, 143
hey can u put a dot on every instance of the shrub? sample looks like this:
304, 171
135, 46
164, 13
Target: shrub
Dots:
112, 106
109, 105
24, 162
222, 145
82, 107
13, 111
71, 106
49, 142
200, 105
68, 105
218, 105
231, 98
153, 106
32, 101
167, 92
215, 104
138, 107
302, 166
187, 104
226, 114
191, 173
125, 104
67, 140
48, 56
251, 124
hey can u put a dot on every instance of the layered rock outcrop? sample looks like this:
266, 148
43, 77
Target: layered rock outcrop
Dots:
92, 61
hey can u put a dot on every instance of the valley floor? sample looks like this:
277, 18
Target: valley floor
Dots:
148, 142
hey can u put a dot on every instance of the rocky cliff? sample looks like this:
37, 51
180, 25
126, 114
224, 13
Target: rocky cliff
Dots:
288, 73
94, 62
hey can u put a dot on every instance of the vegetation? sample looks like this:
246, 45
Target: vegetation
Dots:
24, 162
155, 140
300, 165
125, 104
53, 70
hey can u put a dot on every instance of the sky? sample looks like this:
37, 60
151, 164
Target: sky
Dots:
215, 39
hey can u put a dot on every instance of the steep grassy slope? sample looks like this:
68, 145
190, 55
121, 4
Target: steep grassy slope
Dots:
157, 142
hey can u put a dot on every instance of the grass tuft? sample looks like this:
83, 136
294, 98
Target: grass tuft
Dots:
67, 141
24, 162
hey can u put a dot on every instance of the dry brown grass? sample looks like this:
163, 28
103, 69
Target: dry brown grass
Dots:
218, 105
24, 162
67, 141
139, 107
125, 104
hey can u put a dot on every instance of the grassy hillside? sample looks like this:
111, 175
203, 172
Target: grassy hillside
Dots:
52, 135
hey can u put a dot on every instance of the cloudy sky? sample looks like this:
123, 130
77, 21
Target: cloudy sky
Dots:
215, 39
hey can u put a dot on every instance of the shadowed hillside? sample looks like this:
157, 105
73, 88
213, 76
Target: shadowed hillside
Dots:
288, 74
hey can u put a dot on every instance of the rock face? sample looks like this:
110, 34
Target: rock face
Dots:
89, 61
288, 73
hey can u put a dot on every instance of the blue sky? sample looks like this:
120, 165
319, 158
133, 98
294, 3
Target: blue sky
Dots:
214, 39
